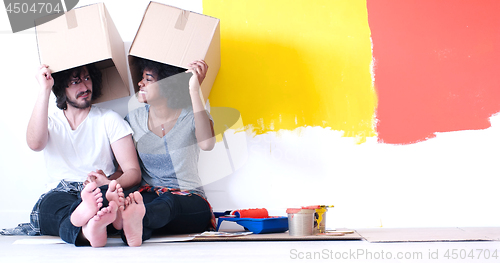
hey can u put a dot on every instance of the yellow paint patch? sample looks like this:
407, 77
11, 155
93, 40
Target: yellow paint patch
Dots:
226, 119
290, 64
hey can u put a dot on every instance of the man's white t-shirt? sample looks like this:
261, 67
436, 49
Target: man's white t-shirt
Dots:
71, 154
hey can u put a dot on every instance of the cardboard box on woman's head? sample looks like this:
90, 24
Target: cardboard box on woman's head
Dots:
177, 37
82, 36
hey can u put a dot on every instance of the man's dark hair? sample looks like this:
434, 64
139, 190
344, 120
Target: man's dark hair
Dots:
173, 85
62, 79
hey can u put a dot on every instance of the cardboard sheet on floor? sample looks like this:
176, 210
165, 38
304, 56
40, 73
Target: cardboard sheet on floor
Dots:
280, 237
46, 240
380, 235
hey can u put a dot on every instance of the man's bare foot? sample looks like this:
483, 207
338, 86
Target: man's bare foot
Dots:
91, 203
115, 193
132, 213
95, 230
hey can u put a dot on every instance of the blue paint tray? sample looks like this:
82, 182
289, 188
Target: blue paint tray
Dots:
274, 224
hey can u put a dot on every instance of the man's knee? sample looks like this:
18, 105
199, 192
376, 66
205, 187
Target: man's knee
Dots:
52, 202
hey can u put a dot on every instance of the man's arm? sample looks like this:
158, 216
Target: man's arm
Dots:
37, 133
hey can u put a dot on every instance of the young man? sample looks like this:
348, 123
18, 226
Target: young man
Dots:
83, 145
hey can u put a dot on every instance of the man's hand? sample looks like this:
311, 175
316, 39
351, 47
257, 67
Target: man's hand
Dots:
98, 177
44, 78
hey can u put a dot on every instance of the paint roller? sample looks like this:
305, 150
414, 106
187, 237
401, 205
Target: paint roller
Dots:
251, 213
244, 213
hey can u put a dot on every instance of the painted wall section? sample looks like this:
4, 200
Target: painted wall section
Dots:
436, 66
290, 64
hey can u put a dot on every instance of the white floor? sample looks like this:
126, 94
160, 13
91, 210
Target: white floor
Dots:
288, 251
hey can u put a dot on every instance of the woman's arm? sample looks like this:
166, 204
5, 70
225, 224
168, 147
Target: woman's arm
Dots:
116, 174
203, 125
128, 173
126, 156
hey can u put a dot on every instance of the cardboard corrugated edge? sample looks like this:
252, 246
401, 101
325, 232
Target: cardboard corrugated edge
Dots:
139, 28
117, 50
212, 58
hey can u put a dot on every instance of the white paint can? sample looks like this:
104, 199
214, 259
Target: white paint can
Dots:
300, 221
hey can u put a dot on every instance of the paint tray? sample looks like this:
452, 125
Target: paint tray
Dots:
273, 224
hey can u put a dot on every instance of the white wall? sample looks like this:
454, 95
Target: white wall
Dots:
450, 180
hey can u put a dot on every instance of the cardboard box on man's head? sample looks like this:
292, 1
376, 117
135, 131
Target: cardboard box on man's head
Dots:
177, 37
82, 36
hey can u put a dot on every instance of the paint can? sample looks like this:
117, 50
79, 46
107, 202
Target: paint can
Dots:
319, 217
300, 221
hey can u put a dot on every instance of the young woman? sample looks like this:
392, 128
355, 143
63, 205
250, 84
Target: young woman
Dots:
169, 132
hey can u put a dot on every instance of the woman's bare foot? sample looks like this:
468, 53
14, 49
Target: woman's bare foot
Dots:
115, 193
95, 230
132, 213
91, 203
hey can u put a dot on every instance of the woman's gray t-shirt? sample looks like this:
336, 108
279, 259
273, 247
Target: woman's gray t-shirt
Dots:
172, 160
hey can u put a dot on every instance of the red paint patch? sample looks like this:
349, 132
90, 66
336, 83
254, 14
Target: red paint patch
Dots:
437, 66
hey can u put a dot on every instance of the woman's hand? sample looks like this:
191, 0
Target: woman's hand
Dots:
44, 78
199, 69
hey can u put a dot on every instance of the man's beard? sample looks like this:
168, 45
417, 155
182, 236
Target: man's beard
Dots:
83, 105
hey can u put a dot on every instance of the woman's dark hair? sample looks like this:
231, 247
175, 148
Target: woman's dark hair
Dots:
62, 78
173, 86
